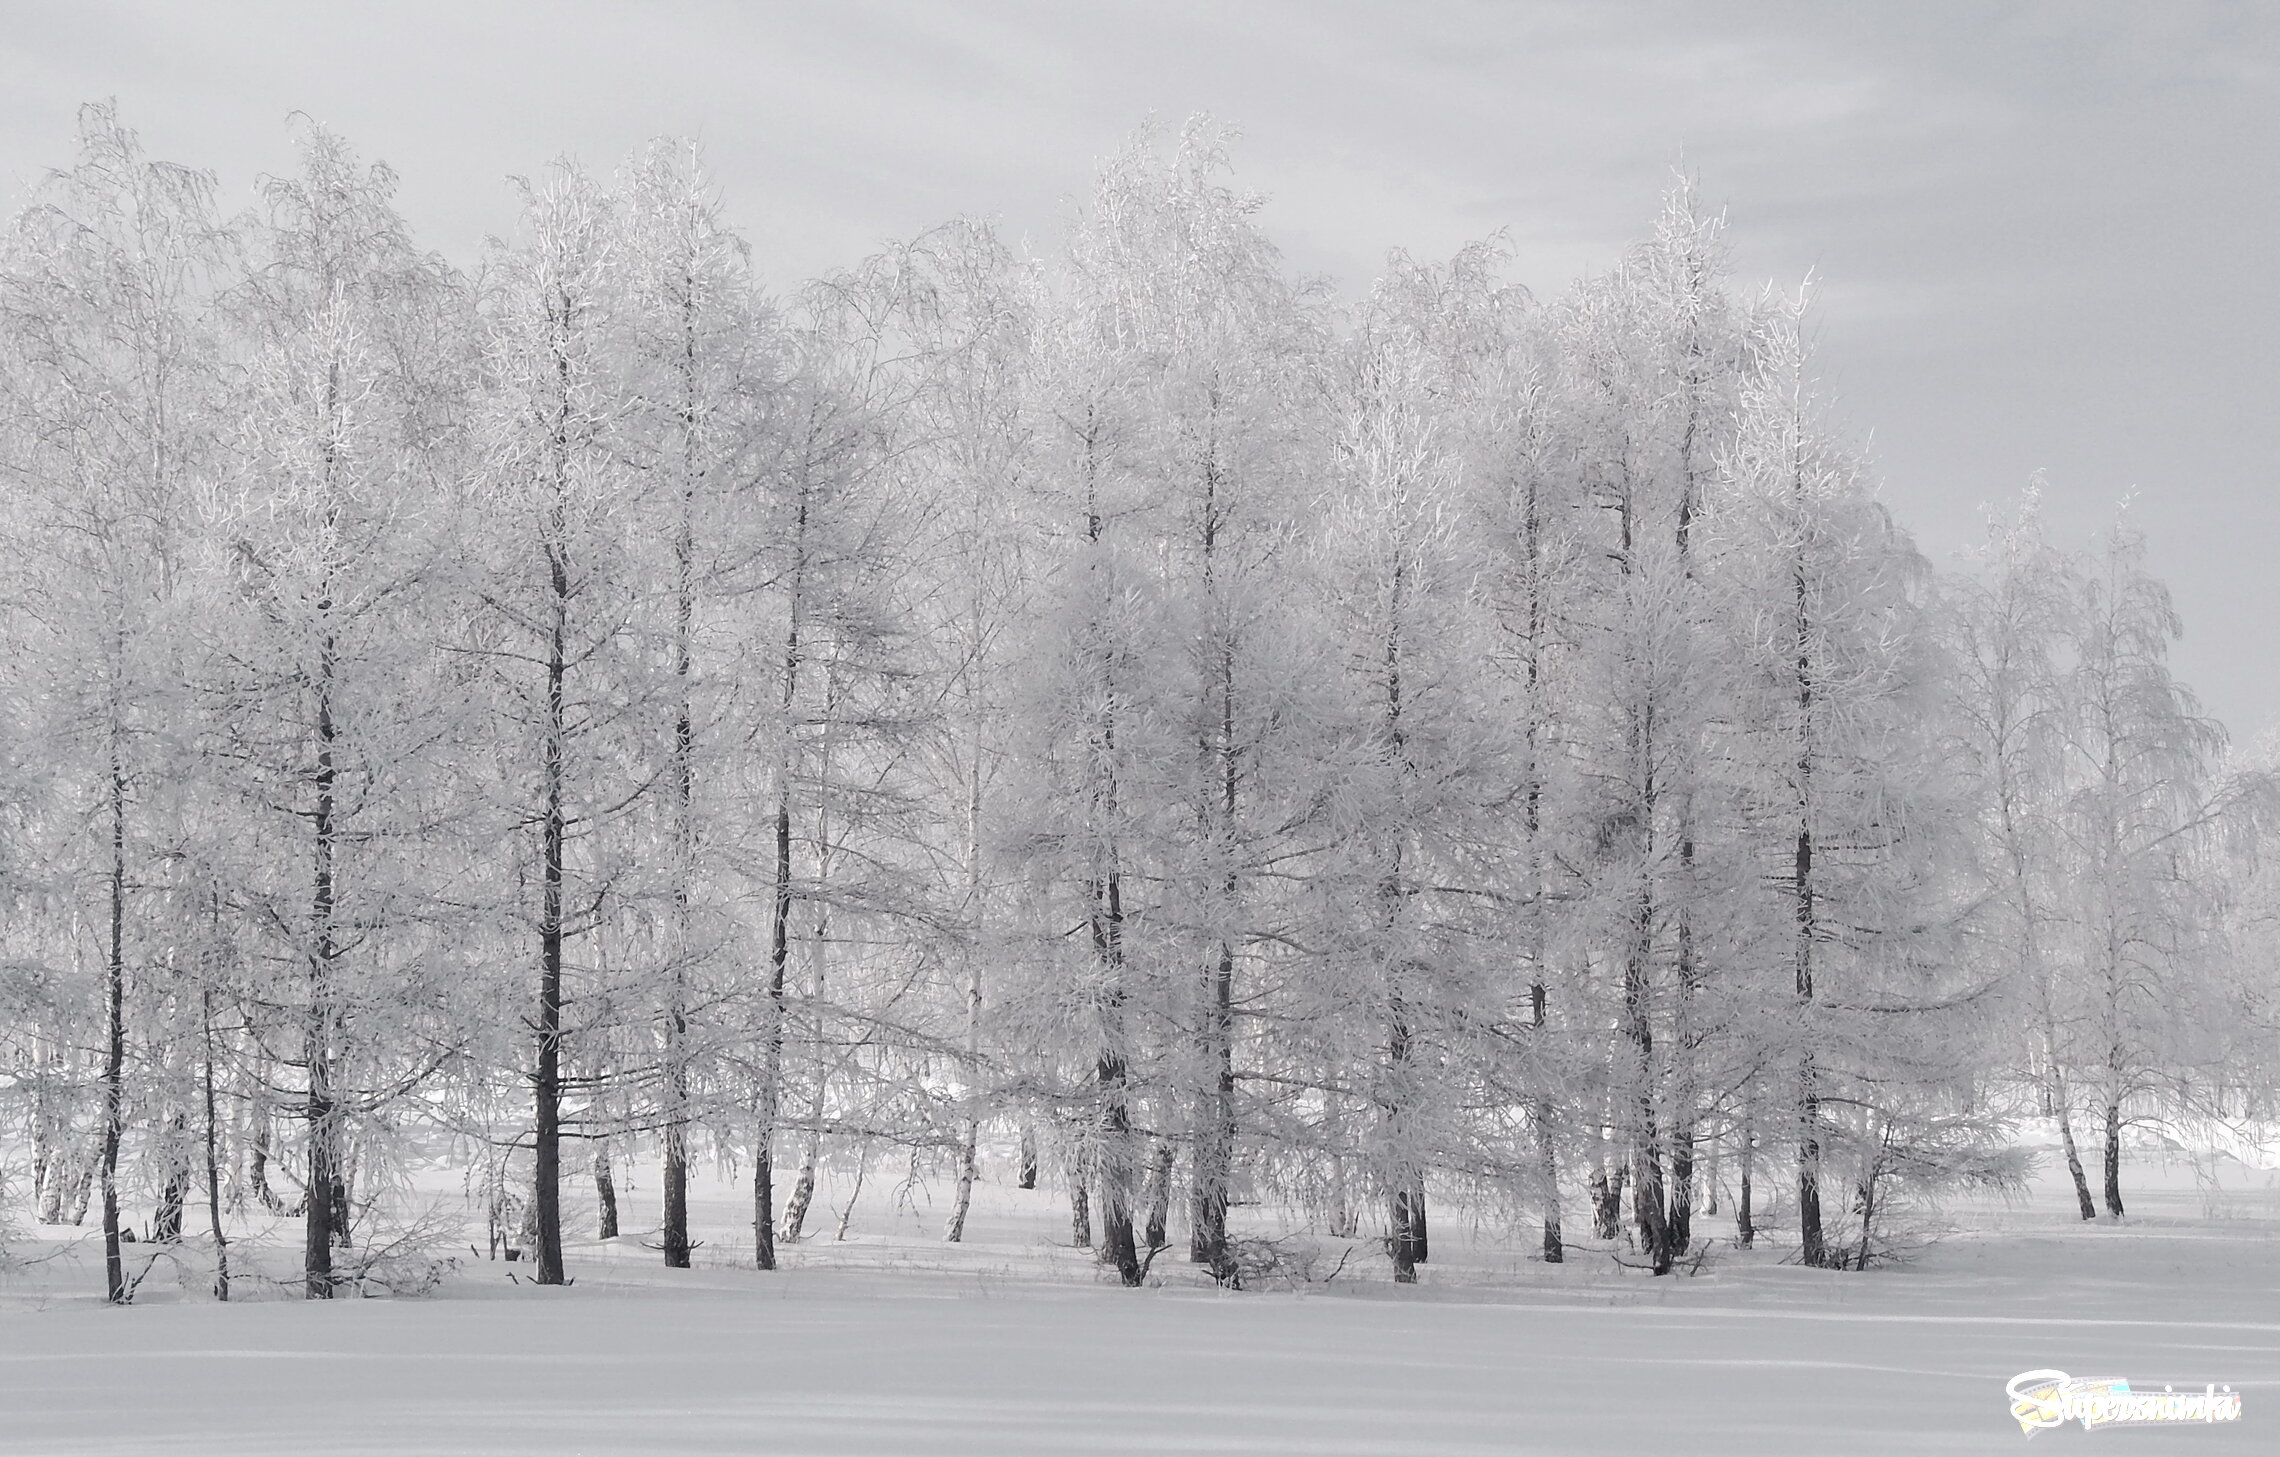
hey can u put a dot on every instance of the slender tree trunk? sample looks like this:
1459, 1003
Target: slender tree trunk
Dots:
114, 1036
1214, 1135
962, 1200
1113, 1164
1681, 1222
605, 1193
674, 1238
320, 1111
1648, 1210
1548, 1172
1811, 1242
1159, 1193
1112, 1160
1405, 1214
2113, 1156
780, 917
2055, 1089
970, 1129
1547, 1143
1080, 1210
1027, 1175
675, 1176
1547, 1147
174, 1195
855, 1191
546, 1079
1866, 1192
1679, 1232
212, 1142
772, 1064
1745, 1231
1215, 1125
803, 1189
1419, 1232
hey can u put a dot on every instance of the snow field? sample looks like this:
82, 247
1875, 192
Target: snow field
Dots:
890, 1342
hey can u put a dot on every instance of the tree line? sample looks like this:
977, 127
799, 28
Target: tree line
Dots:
1235, 746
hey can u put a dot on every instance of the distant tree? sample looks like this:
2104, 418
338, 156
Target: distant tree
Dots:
2143, 797
2004, 625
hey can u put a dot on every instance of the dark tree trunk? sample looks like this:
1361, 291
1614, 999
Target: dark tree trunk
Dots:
763, 1205
1027, 1177
1080, 1212
1648, 1212
2054, 1092
605, 1193
779, 957
1114, 1166
1548, 1169
1214, 1152
2114, 1158
1215, 1125
779, 920
321, 1111
114, 1040
1812, 1247
675, 1236
546, 1078
213, 1149
1681, 1193
1811, 1242
1745, 1231
1547, 1143
1865, 1194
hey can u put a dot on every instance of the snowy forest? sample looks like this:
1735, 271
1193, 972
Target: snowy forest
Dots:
1129, 721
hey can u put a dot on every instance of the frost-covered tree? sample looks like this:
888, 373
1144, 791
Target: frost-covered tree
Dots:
701, 369
553, 567
105, 304
335, 729
2003, 625
1852, 835
2142, 798
1647, 354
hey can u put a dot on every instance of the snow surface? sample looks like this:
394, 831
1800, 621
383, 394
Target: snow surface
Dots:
890, 1342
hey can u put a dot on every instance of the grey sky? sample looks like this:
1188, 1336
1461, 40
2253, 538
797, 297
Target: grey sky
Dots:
2046, 233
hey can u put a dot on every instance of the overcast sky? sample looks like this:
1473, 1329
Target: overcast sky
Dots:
2048, 234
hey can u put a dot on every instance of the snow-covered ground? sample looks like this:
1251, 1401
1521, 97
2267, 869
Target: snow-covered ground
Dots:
890, 1342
